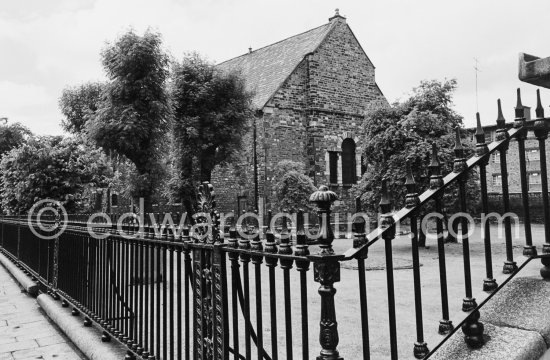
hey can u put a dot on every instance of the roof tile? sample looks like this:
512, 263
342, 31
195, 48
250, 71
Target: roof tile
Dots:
265, 69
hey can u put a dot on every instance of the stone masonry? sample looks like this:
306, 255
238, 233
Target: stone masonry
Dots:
311, 92
25, 332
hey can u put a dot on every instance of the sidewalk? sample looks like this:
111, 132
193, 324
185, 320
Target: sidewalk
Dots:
25, 332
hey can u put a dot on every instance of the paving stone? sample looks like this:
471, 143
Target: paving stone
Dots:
50, 340
47, 352
6, 356
18, 345
7, 340
501, 343
523, 304
25, 331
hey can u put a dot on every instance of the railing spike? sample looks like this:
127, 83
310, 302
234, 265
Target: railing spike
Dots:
539, 110
501, 133
519, 106
479, 129
410, 178
411, 199
385, 202
458, 143
435, 159
459, 163
481, 145
500, 116
519, 121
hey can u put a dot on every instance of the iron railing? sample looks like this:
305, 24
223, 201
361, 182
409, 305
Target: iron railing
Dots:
172, 293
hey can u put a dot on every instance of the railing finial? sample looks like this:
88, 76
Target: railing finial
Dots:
459, 161
500, 116
323, 199
519, 120
479, 129
539, 110
436, 180
501, 134
540, 127
481, 145
411, 199
385, 202
519, 106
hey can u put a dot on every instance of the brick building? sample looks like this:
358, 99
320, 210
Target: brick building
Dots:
311, 92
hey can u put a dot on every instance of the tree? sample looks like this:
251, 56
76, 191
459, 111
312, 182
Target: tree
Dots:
50, 168
405, 133
12, 136
79, 104
133, 112
211, 116
293, 188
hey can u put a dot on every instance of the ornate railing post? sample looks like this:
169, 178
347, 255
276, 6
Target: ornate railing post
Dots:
210, 292
326, 270
541, 133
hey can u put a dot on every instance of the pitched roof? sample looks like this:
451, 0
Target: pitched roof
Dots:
266, 69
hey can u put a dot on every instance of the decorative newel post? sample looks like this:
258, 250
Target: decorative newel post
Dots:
326, 271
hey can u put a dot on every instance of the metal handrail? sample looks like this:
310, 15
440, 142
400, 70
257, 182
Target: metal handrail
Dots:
489, 297
429, 194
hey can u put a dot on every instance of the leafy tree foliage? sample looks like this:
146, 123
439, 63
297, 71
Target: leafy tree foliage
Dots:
133, 113
12, 136
294, 188
405, 133
211, 116
50, 168
79, 104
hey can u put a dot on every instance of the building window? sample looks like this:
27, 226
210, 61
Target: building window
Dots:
496, 158
333, 167
348, 162
497, 180
534, 182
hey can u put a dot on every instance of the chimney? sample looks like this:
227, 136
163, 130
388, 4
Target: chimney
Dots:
337, 16
250, 50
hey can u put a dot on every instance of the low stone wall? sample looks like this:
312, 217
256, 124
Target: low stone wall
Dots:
535, 205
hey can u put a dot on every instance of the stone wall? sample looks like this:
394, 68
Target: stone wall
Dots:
320, 104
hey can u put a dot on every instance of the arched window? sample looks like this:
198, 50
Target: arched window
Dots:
348, 162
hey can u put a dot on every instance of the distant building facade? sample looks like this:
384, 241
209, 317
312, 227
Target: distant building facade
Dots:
311, 93
532, 158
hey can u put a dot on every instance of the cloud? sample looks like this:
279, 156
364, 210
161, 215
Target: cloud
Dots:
48, 45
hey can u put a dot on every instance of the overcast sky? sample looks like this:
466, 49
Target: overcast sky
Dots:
47, 45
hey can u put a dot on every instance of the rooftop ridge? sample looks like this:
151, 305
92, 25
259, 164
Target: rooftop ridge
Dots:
275, 43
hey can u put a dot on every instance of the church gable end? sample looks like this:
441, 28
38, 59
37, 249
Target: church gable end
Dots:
341, 75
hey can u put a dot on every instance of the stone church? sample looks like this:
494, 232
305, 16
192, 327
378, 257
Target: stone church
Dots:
311, 93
